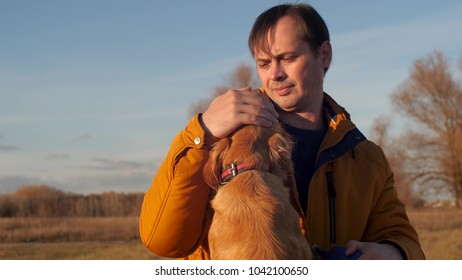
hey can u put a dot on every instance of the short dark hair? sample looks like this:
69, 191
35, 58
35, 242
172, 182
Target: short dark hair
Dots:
312, 27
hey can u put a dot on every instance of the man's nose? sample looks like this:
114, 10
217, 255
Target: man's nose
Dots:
277, 72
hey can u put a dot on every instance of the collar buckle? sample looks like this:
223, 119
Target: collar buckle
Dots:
230, 173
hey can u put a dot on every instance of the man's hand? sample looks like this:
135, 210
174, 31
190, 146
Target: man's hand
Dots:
236, 107
373, 251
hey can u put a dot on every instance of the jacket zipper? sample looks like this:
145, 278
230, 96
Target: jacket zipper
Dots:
300, 209
332, 195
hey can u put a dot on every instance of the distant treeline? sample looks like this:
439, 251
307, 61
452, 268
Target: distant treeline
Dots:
44, 201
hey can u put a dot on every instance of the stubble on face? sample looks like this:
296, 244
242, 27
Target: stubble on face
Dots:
297, 87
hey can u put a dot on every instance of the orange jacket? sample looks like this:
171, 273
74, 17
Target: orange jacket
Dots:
351, 195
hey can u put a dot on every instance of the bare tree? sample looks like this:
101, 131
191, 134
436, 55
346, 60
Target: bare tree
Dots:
44, 201
382, 136
242, 76
380, 131
432, 99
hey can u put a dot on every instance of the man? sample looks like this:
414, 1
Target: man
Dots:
345, 185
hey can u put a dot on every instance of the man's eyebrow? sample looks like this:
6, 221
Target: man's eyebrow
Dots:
277, 56
260, 59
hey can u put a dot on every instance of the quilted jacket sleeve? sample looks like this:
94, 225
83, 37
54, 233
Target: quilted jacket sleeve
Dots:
389, 223
175, 206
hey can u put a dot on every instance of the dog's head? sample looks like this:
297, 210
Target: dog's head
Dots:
260, 148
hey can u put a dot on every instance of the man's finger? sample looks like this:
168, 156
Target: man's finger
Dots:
353, 246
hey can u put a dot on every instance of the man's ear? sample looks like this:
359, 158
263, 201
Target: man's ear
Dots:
213, 167
326, 54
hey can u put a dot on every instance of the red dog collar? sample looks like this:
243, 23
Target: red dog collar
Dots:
231, 172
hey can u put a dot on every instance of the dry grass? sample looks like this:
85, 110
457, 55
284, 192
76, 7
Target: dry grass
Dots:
118, 250
113, 238
440, 232
17, 230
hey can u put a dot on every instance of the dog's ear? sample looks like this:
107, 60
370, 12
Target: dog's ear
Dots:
280, 150
212, 169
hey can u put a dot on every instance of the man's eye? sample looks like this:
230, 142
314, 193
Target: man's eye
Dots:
263, 65
289, 58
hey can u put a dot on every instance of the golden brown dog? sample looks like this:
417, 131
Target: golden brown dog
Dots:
254, 218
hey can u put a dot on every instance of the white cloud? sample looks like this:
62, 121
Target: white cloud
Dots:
106, 164
21, 119
106, 174
85, 136
12, 182
101, 174
58, 156
8, 148
155, 113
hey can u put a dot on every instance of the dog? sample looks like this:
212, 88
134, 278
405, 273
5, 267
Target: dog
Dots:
253, 219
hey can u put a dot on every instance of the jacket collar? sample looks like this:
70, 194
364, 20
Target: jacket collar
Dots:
341, 136
335, 113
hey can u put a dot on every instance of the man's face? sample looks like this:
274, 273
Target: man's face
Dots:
292, 75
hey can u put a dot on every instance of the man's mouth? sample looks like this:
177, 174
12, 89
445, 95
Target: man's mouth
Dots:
282, 90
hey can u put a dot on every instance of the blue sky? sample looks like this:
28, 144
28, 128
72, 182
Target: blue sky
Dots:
93, 92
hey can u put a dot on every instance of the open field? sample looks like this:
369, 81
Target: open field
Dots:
116, 250
112, 238
440, 232
68, 229
117, 238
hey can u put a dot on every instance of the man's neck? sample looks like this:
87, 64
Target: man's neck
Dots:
303, 120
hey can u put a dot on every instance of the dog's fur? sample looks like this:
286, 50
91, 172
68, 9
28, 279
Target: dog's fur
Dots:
253, 215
